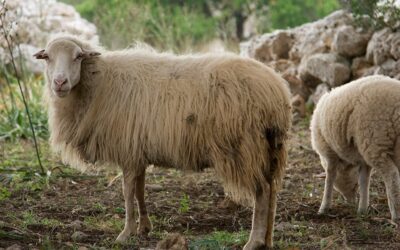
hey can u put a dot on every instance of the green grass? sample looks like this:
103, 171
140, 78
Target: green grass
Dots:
220, 240
4, 193
110, 224
29, 218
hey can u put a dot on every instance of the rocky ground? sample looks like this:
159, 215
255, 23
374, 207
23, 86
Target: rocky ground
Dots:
70, 210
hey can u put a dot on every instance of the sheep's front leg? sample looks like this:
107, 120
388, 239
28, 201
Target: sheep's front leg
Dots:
144, 221
128, 189
363, 182
260, 221
330, 170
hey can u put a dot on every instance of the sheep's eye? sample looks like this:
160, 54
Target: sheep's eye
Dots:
79, 57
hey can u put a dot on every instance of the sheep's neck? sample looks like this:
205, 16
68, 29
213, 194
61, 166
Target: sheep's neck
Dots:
67, 113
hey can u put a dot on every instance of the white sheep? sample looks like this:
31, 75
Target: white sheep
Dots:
138, 107
356, 128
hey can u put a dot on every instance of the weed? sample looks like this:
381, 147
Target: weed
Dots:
29, 218
111, 224
220, 240
119, 210
53, 223
4, 193
99, 207
13, 122
184, 204
47, 244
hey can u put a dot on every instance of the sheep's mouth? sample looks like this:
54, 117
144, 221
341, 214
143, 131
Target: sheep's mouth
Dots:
61, 93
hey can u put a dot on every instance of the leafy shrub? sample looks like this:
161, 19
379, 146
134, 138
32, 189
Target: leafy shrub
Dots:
290, 13
14, 123
379, 13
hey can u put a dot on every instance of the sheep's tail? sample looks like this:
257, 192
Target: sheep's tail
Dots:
278, 160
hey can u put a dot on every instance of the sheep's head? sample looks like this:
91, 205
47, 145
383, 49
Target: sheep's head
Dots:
346, 182
64, 59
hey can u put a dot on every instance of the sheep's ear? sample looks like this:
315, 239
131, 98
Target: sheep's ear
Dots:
41, 55
90, 53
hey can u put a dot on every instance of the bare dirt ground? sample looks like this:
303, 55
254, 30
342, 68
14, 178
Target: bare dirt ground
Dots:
70, 210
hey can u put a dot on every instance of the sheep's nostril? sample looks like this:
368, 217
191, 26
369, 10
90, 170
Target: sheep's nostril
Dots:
60, 82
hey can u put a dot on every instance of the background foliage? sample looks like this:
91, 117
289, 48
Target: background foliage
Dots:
179, 25
381, 13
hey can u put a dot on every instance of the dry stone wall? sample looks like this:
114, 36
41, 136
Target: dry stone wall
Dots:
330, 52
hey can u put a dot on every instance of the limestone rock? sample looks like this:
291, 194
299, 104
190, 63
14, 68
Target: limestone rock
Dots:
360, 67
378, 49
332, 51
395, 45
299, 105
296, 85
319, 92
330, 68
32, 23
281, 65
349, 42
78, 236
281, 45
173, 241
269, 47
258, 48
308, 79
317, 37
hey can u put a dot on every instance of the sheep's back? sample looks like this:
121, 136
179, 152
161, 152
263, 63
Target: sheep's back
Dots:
175, 110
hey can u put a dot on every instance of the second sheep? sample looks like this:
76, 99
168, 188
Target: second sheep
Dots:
356, 128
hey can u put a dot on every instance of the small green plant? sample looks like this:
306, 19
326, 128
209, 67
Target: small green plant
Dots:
220, 240
53, 223
13, 122
4, 193
29, 218
110, 224
119, 210
99, 207
184, 204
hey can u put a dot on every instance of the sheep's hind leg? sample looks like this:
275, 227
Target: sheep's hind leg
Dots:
331, 170
260, 220
391, 177
363, 182
144, 221
128, 189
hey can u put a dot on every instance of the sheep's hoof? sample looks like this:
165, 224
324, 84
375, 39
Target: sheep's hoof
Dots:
123, 236
322, 211
362, 211
144, 226
396, 223
255, 245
